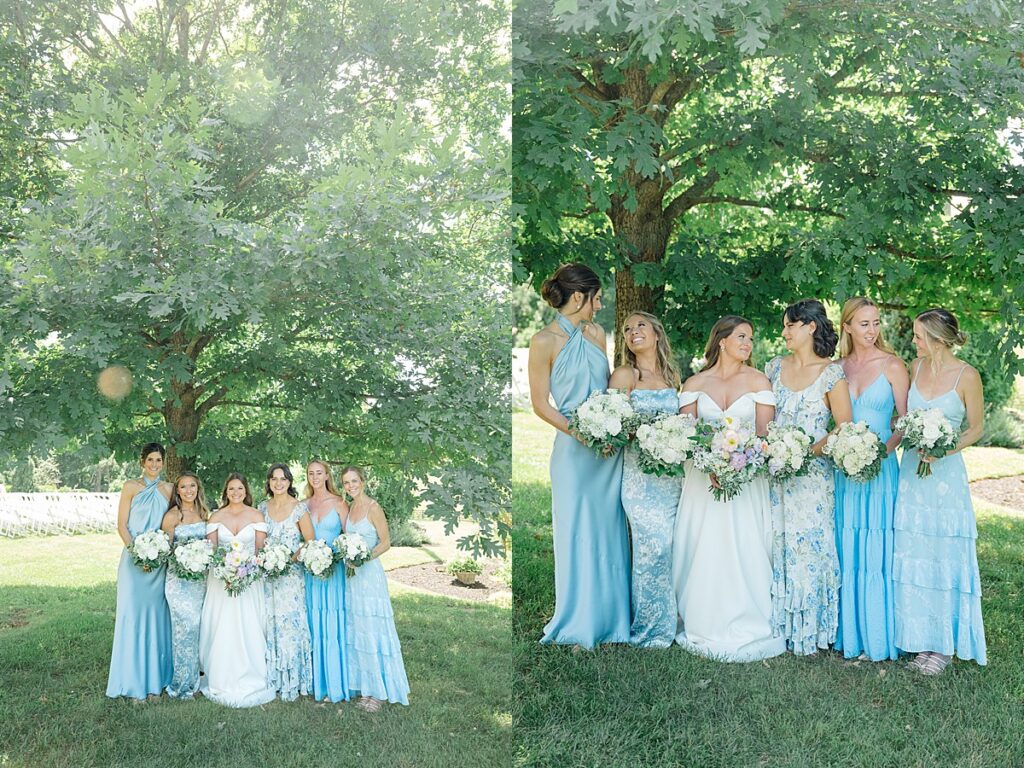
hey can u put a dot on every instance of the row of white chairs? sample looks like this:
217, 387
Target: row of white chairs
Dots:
35, 514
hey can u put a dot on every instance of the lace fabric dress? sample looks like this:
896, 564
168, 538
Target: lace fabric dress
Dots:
185, 599
722, 556
289, 654
935, 560
375, 666
588, 523
805, 592
650, 503
141, 660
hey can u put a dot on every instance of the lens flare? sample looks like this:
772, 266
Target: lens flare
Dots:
115, 382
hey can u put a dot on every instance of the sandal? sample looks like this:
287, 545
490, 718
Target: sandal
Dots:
918, 662
369, 704
936, 663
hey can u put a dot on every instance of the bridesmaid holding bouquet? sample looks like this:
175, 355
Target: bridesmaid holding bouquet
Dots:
185, 521
140, 662
568, 362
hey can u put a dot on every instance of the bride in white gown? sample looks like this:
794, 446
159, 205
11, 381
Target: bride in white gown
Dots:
232, 644
721, 554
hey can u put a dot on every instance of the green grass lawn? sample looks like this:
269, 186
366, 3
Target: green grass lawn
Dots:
620, 706
56, 625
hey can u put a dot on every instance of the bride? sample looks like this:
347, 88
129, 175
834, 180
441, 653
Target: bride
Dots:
232, 646
721, 561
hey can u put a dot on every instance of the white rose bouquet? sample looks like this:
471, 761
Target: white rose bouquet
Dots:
352, 550
788, 451
732, 452
856, 451
605, 420
318, 558
929, 431
275, 559
191, 559
235, 567
663, 445
150, 550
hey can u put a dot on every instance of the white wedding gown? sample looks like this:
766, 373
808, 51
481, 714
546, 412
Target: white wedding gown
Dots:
232, 644
721, 556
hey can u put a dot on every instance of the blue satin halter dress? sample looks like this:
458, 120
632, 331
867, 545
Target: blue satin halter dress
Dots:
591, 545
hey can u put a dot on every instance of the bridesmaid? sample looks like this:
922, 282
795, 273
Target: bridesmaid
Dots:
650, 376
935, 562
185, 521
289, 655
568, 362
376, 671
878, 384
809, 388
325, 598
140, 663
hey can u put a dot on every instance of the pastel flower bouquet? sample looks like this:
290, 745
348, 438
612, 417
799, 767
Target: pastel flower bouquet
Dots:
732, 452
929, 432
605, 421
235, 567
150, 550
856, 451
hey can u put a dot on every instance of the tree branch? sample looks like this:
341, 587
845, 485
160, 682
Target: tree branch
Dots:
769, 206
689, 197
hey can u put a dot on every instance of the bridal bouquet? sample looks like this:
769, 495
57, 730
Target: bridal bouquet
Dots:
929, 431
856, 451
191, 559
732, 452
604, 420
235, 567
275, 559
351, 548
150, 550
318, 558
788, 451
665, 444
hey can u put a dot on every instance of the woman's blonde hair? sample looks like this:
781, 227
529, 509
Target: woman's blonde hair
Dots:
663, 350
720, 331
851, 308
175, 500
329, 483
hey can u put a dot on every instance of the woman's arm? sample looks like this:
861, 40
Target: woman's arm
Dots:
380, 523
539, 370
838, 399
899, 379
974, 401
762, 416
170, 522
124, 507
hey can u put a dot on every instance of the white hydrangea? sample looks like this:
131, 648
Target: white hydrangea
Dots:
788, 450
929, 432
151, 549
275, 558
191, 558
605, 419
318, 558
665, 444
856, 450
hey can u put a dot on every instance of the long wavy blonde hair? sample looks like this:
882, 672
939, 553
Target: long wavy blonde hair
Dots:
663, 350
850, 308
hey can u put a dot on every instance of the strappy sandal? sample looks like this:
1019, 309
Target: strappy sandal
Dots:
369, 704
936, 663
918, 662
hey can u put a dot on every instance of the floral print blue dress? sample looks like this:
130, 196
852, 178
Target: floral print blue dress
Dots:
650, 503
185, 599
805, 565
289, 653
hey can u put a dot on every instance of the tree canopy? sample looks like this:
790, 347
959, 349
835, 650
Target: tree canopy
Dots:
285, 220
732, 156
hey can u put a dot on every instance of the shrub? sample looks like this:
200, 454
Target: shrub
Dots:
407, 534
464, 565
1004, 428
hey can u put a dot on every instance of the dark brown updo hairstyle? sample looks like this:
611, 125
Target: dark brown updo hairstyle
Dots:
149, 448
287, 476
813, 311
719, 332
567, 279
940, 325
175, 501
245, 484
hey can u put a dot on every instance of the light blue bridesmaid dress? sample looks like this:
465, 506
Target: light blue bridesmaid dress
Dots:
185, 600
864, 539
289, 655
325, 609
588, 523
935, 562
650, 503
141, 662
375, 666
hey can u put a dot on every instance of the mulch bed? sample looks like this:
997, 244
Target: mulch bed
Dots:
1005, 491
433, 578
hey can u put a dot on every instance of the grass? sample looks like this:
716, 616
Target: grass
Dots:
621, 706
56, 625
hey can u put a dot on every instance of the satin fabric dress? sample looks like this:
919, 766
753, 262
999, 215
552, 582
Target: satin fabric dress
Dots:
591, 546
935, 560
722, 556
864, 540
141, 658
325, 609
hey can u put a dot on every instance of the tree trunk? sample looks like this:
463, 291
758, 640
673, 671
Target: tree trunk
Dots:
182, 427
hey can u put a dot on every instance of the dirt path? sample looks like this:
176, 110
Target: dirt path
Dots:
1007, 492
